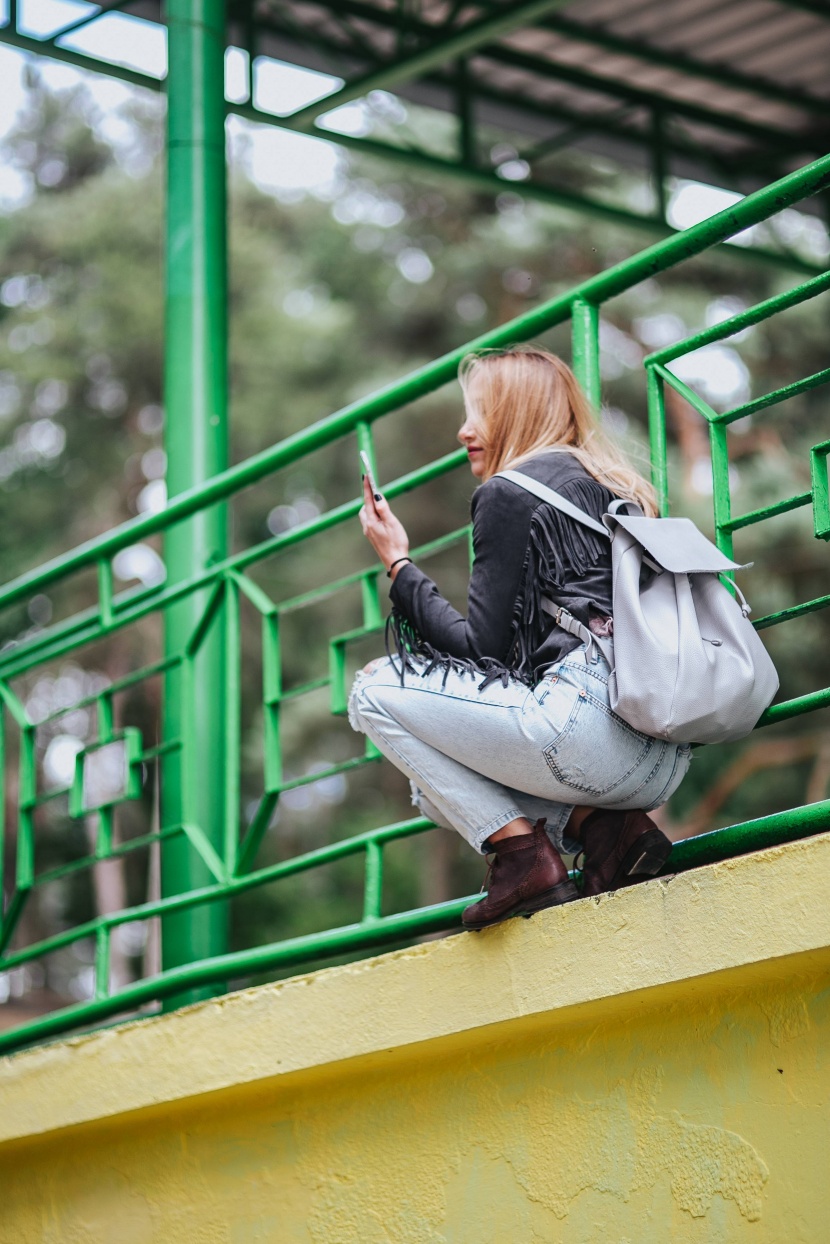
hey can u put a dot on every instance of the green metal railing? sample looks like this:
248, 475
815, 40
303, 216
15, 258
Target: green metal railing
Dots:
214, 596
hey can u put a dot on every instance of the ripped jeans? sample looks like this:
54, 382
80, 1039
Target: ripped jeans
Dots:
480, 759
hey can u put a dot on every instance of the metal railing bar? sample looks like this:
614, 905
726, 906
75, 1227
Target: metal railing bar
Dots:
490, 183
201, 843
105, 591
342, 513
256, 831
690, 853
54, 641
599, 288
67, 636
746, 319
694, 399
788, 709
161, 749
86, 618
88, 861
215, 893
2, 804
776, 396
386, 930
756, 835
40, 800
17, 712
329, 589
11, 916
113, 688
303, 689
793, 611
769, 511
102, 963
373, 883
356, 762
254, 593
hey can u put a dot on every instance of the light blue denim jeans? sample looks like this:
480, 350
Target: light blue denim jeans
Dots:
479, 759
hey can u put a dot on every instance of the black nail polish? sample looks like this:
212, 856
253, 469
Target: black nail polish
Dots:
378, 497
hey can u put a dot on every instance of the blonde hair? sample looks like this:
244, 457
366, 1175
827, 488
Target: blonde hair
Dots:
528, 400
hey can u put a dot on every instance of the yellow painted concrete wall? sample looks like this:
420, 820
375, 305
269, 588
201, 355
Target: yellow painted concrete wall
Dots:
651, 1067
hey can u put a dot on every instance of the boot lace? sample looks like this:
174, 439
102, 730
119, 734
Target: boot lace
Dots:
492, 865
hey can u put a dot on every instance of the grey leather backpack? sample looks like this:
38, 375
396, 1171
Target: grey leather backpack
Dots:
688, 665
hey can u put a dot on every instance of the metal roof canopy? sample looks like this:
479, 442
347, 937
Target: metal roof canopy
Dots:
736, 95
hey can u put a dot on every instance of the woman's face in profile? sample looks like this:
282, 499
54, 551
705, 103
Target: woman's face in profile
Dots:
471, 433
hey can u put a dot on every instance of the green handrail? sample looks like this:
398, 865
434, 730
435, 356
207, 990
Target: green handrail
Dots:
230, 862
604, 286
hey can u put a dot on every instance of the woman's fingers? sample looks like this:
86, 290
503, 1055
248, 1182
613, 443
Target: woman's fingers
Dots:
373, 499
380, 526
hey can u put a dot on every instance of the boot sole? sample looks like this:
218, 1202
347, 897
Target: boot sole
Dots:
644, 858
565, 892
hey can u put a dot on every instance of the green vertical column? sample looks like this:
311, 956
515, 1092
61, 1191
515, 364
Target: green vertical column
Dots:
585, 349
197, 448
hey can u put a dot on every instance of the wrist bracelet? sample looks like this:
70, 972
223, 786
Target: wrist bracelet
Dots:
395, 563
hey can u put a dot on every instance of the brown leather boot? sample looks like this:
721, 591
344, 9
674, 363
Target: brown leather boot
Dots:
620, 849
526, 875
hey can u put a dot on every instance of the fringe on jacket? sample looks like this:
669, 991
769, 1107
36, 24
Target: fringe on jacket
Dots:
560, 551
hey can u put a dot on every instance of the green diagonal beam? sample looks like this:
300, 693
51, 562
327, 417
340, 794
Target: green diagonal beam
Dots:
439, 52
103, 10
613, 42
513, 57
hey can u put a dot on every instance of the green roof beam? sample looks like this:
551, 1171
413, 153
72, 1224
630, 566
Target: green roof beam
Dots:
566, 73
484, 179
103, 10
631, 47
438, 52
686, 64
789, 140
80, 60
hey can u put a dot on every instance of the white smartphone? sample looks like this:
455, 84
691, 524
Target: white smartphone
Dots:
367, 470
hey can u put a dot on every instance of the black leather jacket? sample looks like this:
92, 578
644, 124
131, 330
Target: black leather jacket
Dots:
524, 549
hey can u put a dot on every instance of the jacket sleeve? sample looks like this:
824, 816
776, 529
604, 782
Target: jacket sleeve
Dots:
501, 523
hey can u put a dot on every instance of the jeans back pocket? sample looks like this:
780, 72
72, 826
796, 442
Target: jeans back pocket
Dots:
595, 752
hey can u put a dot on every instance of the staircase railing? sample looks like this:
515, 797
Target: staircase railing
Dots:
223, 586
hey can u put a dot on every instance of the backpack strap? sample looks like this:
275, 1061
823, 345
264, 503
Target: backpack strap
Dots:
555, 499
559, 613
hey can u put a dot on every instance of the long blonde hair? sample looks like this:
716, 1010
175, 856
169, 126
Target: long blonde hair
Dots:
527, 401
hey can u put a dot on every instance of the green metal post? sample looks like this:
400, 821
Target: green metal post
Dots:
197, 448
585, 348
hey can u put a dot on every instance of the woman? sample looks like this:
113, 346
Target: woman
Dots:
501, 720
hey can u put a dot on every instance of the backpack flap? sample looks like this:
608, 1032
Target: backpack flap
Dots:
675, 544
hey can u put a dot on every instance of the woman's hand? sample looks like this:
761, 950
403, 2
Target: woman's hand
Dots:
383, 531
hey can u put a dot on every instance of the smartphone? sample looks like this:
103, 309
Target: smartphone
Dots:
367, 470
